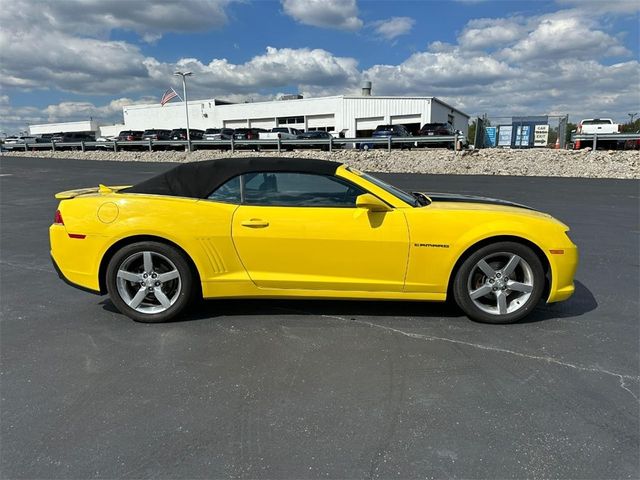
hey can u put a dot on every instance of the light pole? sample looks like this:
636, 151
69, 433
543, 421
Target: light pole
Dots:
186, 102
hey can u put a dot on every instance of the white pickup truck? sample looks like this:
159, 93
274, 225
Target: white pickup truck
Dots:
589, 126
282, 133
598, 126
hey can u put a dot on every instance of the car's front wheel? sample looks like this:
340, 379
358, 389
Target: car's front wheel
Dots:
149, 281
499, 283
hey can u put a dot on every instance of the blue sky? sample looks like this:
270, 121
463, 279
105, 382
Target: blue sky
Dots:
65, 60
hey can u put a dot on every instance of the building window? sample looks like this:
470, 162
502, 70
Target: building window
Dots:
290, 120
322, 129
450, 119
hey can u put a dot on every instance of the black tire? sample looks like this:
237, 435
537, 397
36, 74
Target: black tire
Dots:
178, 291
469, 277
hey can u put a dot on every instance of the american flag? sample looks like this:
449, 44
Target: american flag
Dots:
168, 96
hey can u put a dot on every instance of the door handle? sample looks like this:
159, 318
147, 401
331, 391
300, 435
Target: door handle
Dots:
254, 223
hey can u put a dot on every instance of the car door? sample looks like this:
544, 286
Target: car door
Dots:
303, 231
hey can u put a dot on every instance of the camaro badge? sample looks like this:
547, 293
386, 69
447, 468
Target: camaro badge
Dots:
431, 245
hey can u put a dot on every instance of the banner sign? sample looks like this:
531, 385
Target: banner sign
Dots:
541, 136
504, 135
490, 137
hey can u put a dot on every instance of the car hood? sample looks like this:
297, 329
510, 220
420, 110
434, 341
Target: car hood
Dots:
454, 197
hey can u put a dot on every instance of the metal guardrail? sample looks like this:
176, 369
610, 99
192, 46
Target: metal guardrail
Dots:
594, 137
234, 144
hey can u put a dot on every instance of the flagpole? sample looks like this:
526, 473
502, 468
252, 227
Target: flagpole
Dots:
186, 103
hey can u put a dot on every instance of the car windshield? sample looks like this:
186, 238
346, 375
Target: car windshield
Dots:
395, 191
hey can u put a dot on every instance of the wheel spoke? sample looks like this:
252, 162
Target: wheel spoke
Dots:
130, 276
162, 298
502, 302
519, 287
511, 265
165, 277
137, 299
148, 262
486, 268
480, 292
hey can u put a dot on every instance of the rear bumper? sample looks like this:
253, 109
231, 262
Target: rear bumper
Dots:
76, 260
69, 282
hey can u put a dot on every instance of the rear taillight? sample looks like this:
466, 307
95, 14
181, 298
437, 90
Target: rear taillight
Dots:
57, 218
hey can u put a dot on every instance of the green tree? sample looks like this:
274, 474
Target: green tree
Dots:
631, 127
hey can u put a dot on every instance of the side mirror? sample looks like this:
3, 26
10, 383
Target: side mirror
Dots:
371, 203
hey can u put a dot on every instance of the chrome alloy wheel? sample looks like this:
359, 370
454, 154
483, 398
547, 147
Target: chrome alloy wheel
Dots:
148, 282
500, 283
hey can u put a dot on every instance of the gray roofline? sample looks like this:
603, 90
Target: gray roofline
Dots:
381, 97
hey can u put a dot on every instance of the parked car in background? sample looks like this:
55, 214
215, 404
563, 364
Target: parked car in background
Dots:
104, 143
598, 126
436, 130
633, 144
318, 136
181, 134
218, 134
18, 142
589, 126
130, 136
282, 133
44, 138
156, 134
72, 137
248, 133
388, 131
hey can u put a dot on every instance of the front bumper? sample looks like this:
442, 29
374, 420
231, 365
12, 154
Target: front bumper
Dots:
563, 270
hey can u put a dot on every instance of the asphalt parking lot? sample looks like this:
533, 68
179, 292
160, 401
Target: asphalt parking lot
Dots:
312, 389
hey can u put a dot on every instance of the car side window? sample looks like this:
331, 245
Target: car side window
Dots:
228, 192
298, 190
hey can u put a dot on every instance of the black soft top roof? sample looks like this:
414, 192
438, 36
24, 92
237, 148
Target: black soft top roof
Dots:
199, 179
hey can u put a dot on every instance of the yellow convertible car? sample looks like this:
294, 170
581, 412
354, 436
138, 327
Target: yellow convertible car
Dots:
300, 228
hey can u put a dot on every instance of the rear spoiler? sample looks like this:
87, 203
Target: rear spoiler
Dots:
101, 189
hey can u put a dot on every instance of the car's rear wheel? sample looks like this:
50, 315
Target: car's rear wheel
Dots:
149, 281
499, 283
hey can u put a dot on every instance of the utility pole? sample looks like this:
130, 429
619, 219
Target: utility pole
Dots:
186, 102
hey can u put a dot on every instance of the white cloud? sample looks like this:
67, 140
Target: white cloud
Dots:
564, 36
148, 18
426, 72
599, 7
491, 33
338, 14
393, 27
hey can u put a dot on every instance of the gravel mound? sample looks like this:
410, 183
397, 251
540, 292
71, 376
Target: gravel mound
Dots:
533, 162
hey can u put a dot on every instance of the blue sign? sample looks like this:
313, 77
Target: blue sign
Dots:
490, 136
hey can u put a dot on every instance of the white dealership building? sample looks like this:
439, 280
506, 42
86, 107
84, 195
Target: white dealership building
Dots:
351, 116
